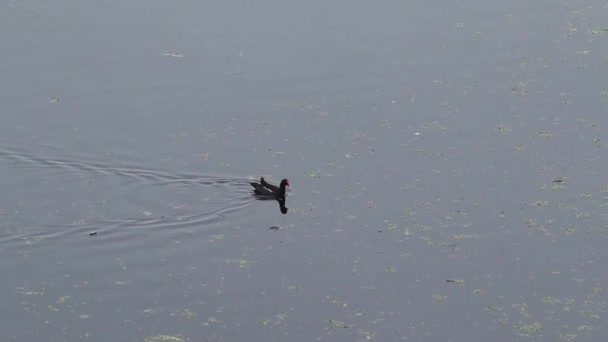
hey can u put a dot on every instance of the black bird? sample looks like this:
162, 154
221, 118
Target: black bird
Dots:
265, 190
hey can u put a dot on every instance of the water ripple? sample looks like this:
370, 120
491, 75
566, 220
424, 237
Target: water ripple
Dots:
162, 201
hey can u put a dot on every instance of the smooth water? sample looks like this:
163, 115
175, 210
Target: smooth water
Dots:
446, 160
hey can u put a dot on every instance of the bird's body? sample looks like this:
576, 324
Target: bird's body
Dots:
269, 186
266, 190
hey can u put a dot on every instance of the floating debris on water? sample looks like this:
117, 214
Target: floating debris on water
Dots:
172, 54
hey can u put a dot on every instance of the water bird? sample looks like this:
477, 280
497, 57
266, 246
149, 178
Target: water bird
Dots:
265, 190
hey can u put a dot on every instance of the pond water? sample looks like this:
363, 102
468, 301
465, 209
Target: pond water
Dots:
447, 163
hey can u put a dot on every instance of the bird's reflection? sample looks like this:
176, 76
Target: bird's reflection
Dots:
282, 206
280, 200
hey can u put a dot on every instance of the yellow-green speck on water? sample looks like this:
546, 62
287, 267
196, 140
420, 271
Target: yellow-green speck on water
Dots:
458, 282
503, 129
544, 134
164, 338
527, 329
439, 298
338, 324
313, 174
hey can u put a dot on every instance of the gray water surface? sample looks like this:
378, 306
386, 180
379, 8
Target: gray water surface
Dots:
446, 160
